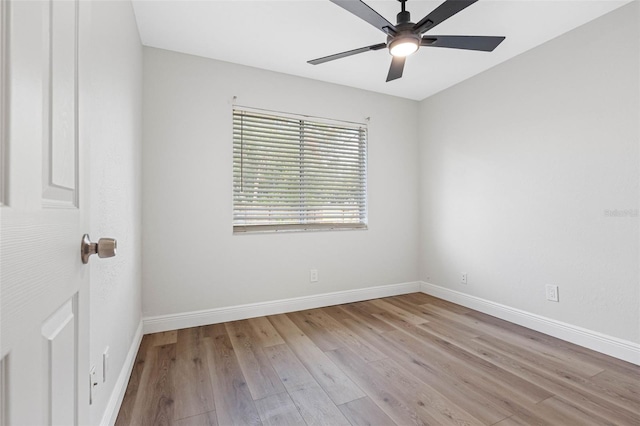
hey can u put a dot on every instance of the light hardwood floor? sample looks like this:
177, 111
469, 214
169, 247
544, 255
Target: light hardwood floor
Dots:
411, 359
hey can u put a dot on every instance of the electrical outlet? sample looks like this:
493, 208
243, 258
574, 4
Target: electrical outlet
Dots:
313, 275
105, 364
552, 293
463, 278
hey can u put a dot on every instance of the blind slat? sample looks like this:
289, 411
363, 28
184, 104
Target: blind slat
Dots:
288, 164
249, 143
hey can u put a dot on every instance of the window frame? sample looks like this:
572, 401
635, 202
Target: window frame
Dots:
305, 122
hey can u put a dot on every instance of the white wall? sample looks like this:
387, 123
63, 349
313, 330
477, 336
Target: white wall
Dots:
518, 166
115, 114
191, 260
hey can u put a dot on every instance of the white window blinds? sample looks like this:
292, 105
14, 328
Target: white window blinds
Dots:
296, 173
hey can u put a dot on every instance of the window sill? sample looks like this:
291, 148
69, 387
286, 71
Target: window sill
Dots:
271, 229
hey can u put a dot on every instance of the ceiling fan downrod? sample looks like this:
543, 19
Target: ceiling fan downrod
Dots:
404, 17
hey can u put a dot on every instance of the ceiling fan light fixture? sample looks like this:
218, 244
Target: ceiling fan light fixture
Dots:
404, 46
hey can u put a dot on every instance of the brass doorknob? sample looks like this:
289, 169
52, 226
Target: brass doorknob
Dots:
105, 247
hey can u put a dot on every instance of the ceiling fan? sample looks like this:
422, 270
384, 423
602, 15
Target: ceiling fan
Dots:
405, 37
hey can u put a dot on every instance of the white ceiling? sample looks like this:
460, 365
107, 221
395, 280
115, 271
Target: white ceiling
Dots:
282, 36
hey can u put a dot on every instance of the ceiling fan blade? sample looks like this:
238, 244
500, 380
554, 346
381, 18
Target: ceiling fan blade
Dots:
397, 66
364, 12
347, 53
483, 43
441, 13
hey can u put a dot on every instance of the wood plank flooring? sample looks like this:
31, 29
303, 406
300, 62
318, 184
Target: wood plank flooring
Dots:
405, 360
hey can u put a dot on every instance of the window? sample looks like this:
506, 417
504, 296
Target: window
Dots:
297, 173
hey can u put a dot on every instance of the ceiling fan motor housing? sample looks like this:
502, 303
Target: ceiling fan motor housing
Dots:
405, 32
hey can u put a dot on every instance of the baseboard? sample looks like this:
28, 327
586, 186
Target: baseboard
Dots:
117, 395
618, 348
232, 313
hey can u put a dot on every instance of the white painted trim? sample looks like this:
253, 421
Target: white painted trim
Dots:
4, 98
4, 388
117, 395
609, 345
232, 313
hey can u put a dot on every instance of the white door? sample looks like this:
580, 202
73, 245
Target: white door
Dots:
44, 299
